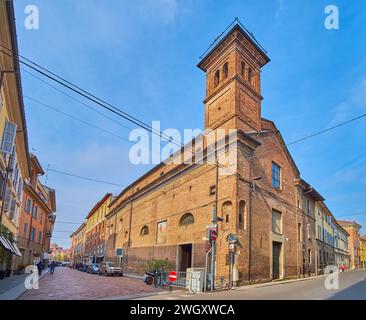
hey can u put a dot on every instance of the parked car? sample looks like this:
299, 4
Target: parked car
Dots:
110, 268
83, 267
93, 268
65, 263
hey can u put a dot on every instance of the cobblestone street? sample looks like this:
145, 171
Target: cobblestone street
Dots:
70, 284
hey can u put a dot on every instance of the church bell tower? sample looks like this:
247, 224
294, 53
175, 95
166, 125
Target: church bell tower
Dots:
233, 68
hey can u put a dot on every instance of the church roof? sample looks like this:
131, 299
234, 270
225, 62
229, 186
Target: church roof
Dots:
248, 36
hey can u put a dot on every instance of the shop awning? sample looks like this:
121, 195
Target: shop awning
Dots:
10, 246
5, 244
17, 251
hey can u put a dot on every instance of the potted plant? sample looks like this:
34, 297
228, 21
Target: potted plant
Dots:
156, 271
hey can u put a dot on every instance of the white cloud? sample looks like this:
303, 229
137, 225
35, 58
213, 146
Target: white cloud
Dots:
278, 15
353, 106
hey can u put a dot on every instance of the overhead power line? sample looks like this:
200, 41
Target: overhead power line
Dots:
85, 178
54, 77
327, 129
77, 119
76, 100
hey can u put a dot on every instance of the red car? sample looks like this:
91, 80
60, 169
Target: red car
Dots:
343, 268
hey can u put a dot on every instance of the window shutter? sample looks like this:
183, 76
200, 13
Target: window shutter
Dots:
12, 208
8, 137
2, 181
7, 200
20, 189
15, 177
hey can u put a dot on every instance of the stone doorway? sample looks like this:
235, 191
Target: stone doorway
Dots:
184, 256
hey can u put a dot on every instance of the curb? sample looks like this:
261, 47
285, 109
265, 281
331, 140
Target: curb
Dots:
133, 276
268, 284
136, 296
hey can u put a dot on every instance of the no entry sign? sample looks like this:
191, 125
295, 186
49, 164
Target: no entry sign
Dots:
172, 276
213, 235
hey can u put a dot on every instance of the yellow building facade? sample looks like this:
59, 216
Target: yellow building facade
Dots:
95, 228
324, 236
14, 161
363, 251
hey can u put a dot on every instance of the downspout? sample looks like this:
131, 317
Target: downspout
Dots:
250, 222
129, 234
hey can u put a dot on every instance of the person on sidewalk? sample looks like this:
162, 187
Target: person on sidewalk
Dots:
40, 267
52, 267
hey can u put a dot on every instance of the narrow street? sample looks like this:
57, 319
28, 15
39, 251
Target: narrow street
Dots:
352, 285
70, 284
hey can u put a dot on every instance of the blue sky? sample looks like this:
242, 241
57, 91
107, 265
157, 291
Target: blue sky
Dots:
142, 56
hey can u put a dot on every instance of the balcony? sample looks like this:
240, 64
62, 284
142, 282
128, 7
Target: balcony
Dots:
51, 218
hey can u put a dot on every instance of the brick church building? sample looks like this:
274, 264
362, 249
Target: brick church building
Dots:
266, 203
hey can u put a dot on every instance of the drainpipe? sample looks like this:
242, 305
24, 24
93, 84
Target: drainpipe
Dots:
129, 234
250, 222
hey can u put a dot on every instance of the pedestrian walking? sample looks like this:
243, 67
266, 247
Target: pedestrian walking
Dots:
40, 267
52, 267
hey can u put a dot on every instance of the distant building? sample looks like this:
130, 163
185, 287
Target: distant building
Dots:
78, 245
37, 217
95, 229
341, 247
353, 228
363, 251
58, 253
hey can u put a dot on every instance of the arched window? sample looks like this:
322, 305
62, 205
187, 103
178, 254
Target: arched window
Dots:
250, 76
186, 219
226, 210
243, 69
144, 231
217, 78
241, 213
225, 70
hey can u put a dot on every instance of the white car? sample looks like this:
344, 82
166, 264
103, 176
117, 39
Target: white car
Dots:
109, 268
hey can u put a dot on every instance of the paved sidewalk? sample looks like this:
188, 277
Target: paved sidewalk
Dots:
71, 284
13, 287
182, 294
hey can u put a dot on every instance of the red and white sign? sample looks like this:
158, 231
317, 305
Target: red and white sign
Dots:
213, 235
172, 276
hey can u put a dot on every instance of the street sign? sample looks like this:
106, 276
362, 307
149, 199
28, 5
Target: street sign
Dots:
213, 235
172, 276
209, 228
232, 238
119, 252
